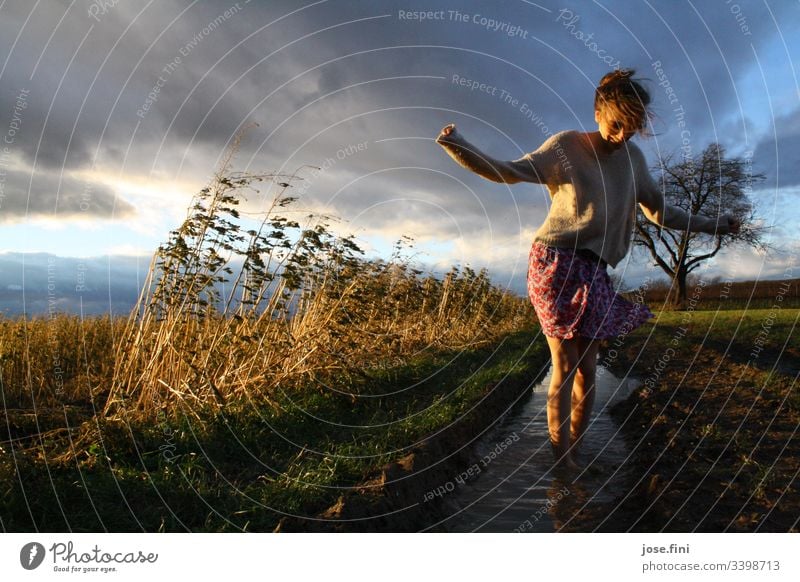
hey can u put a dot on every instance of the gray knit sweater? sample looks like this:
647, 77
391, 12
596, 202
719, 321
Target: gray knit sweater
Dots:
594, 196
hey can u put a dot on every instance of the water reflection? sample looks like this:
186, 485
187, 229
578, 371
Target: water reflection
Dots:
517, 490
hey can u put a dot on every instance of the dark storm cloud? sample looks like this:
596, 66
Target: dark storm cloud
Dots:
52, 196
89, 82
777, 155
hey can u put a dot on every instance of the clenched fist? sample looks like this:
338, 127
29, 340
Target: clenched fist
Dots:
447, 131
728, 224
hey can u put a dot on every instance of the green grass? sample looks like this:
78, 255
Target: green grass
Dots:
760, 336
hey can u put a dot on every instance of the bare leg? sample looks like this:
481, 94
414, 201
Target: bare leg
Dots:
564, 355
583, 390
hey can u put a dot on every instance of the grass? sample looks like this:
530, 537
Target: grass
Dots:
304, 307
762, 338
243, 472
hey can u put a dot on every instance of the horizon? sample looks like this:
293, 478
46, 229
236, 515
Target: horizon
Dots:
85, 286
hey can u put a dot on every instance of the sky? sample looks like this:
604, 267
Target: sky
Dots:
114, 113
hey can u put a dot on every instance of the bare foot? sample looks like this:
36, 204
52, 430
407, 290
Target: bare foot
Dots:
564, 459
568, 465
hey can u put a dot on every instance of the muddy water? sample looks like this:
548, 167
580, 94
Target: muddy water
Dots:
513, 487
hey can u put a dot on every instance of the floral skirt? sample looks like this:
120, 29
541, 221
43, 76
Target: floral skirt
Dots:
573, 295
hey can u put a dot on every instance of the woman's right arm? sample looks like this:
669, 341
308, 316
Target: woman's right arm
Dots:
655, 208
467, 155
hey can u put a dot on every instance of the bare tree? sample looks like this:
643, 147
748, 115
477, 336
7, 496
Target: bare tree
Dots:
709, 185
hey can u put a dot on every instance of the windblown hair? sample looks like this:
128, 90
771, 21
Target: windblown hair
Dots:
624, 98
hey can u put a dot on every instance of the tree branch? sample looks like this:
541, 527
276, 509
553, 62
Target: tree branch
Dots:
699, 258
651, 246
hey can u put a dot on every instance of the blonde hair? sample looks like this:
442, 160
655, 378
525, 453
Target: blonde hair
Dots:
625, 99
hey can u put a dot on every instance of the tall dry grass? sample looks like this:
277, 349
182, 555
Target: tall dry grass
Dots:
303, 307
54, 360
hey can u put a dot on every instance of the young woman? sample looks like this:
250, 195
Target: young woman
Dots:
595, 179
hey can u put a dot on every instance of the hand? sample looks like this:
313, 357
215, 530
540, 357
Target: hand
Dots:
728, 224
447, 131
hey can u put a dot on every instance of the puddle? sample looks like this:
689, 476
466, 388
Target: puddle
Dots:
513, 487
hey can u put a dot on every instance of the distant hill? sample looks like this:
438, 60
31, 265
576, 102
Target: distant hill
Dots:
31, 283
37, 283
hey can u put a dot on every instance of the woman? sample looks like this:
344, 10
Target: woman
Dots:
596, 180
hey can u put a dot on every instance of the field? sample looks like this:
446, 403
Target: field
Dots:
241, 470
713, 428
712, 432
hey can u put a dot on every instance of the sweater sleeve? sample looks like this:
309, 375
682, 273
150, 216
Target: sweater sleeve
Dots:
537, 167
655, 208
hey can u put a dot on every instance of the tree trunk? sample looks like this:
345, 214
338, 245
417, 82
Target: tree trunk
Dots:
679, 288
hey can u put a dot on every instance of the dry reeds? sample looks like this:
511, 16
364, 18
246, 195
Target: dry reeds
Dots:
304, 307
52, 360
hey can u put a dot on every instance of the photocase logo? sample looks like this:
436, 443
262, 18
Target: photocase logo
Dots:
31, 555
